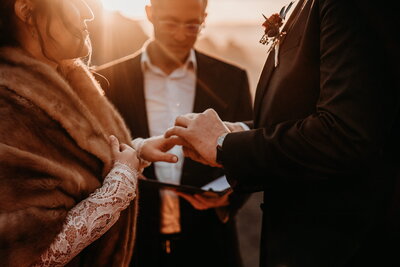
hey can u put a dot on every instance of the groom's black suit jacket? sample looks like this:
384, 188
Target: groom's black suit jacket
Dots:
324, 148
207, 241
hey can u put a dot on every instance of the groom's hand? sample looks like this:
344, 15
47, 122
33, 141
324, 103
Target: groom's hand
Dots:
200, 132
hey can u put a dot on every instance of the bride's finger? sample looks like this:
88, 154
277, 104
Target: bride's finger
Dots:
166, 157
114, 144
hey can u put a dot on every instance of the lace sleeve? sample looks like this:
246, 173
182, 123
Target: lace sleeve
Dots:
137, 144
92, 217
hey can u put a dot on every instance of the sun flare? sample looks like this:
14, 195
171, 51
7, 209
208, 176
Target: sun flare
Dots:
232, 11
133, 8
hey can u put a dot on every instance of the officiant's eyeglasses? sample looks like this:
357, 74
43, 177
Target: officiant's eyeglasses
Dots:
190, 29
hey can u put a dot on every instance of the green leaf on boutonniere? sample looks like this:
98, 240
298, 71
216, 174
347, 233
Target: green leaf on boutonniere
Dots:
285, 10
282, 12
273, 32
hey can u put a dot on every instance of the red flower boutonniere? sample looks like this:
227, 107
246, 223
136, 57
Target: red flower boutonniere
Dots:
272, 27
273, 32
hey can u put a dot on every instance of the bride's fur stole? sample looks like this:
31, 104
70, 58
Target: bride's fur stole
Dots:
54, 152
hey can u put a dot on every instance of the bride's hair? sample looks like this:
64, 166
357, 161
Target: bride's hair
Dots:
7, 25
48, 8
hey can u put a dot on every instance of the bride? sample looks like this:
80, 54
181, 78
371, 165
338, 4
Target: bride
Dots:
67, 184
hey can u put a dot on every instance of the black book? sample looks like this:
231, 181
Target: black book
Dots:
218, 186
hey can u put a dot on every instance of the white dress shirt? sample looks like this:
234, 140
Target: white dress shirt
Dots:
168, 96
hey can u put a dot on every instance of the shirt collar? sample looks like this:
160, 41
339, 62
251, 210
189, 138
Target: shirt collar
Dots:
191, 62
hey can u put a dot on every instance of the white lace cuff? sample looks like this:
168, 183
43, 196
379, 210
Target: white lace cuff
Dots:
137, 144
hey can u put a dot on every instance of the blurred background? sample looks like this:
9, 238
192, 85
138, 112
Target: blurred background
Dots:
232, 33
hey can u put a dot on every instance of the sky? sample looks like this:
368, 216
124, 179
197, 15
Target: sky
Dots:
220, 11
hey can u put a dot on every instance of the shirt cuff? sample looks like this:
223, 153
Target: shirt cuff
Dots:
244, 126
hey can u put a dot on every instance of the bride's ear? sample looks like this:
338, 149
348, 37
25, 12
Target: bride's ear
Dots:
23, 10
205, 16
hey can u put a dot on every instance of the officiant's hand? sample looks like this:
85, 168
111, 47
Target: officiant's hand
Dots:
206, 200
200, 133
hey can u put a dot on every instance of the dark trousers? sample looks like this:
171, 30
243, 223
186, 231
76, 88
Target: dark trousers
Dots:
171, 251
183, 251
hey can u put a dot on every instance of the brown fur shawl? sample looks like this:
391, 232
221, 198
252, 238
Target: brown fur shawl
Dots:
54, 152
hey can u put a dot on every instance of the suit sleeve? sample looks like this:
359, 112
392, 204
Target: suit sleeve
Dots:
243, 110
353, 114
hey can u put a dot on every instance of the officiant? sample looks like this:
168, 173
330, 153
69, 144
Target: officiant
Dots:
150, 89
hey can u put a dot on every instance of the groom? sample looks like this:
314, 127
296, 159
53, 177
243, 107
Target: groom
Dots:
322, 145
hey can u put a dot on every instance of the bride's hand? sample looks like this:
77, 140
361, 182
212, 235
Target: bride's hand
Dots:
155, 148
123, 153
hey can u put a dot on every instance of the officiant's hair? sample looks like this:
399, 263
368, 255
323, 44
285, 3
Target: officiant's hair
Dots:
155, 1
51, 9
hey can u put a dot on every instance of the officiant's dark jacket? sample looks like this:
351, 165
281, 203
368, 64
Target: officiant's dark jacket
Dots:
324, 148
207, 241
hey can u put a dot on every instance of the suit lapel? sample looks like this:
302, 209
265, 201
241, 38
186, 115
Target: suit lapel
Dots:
139, 100
137, 96
262, 85
269, 66
294, 17
206, 84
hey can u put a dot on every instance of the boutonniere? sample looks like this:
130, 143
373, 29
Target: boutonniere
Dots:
273, 30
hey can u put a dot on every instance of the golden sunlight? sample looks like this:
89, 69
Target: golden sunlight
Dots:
219, 11
132, 8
